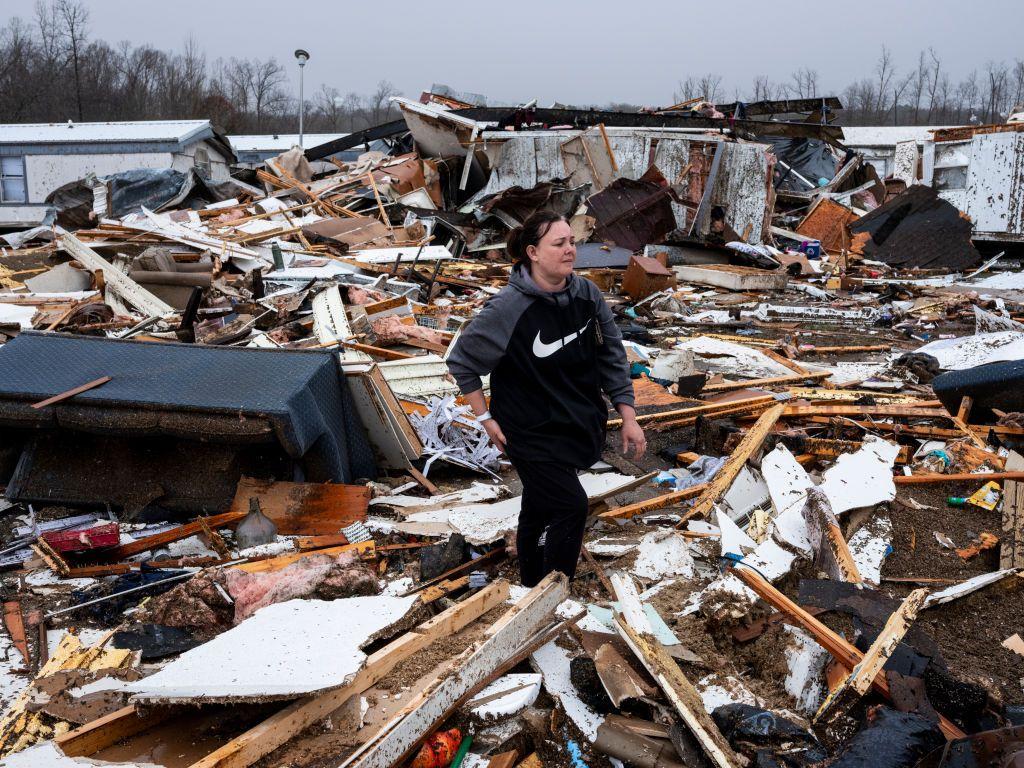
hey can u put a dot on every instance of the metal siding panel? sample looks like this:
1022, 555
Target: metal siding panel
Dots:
671, 156
994, 164
741, 188
515, 166
631, 153
549, 163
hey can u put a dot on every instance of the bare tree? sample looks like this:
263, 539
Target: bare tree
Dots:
378, 104
996, 76
764, 89
705, 86
75, 17
805, 83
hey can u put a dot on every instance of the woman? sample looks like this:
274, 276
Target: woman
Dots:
551, 346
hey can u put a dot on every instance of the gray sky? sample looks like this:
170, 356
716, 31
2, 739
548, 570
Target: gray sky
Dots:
568, 50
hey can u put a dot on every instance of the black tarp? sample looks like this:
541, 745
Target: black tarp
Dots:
811, 158
208, 395
918, 229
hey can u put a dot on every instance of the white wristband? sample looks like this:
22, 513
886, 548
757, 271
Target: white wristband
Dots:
484, 416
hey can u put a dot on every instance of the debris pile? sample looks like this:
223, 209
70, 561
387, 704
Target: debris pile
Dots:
248, 518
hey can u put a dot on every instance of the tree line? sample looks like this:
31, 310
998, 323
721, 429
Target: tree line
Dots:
926, 94
52, 69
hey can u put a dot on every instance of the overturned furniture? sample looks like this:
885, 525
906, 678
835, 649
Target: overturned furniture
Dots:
175, 426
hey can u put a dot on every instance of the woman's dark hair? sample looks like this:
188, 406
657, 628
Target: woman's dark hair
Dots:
530, 233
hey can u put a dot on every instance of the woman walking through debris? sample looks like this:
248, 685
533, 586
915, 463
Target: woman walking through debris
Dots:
551, 346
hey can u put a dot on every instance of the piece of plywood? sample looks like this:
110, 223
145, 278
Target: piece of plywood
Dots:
283, 651
280, 727
309, 509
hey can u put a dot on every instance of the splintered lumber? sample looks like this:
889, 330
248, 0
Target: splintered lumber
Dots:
304, 508
505, 640
841, 650
71, 392
868, 410
633, 626
19, 727
658, 502
267, 736
831, 449
110, 729
749, 445
1011, 543
979, 477
858, 681
825, 535
771, 382
843, 350
364, 549
116, 280
753, 409
697, 410
175, 534
495, 555
898, 429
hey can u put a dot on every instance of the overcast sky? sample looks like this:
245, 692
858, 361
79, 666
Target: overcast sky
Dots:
568, 50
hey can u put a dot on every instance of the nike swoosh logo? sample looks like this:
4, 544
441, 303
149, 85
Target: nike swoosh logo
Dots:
540, 349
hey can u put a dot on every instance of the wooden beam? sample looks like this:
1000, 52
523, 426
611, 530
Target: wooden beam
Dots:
503, 642
147, 543
364, 549
658, 502
843, 651
770, 382
858, 681
843, 350
279, 728
722, 481
905, 411
635, 629
71, 392
697, 410
15, 624
110, 729
304, 508
831, 449
495, 555
420, 478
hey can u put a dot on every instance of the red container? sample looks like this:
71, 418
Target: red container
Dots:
439, 749
83, 539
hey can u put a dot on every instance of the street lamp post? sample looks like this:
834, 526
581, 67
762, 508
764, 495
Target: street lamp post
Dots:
303, 57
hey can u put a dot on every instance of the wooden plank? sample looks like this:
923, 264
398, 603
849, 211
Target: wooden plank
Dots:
110, 729
364, 549
831, 449
304, 508
658, 502
770, 382
1011, 543
16, 628
858, 681
754, 409
175, 534
503, 642
841, 650
634, 628
71, 392
504, 759
420, 478
812, 350
867, 410
495, 555
697, 410
280, 727
721, 482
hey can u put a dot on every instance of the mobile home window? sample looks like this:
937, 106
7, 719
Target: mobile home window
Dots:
202, 161
12, 180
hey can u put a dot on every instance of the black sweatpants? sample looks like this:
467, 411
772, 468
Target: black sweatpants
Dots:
555, 508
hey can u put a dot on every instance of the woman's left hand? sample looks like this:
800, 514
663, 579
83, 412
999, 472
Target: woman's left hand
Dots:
633, 437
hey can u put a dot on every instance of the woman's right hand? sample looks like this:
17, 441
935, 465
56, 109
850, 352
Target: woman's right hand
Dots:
494, 432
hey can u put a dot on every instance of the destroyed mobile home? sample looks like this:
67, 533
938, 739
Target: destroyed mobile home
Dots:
249, 520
